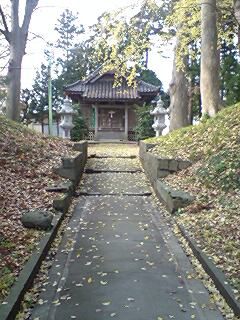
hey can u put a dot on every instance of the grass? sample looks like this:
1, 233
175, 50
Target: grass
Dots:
7, 279
204, 139
215, 141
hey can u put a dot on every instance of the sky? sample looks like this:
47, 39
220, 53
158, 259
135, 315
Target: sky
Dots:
45, 17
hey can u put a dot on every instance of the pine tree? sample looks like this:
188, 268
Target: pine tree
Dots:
71, 60
230, 74
36, 99
80, 130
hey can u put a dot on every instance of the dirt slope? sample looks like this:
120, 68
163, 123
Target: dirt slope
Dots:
214, 179
26, 161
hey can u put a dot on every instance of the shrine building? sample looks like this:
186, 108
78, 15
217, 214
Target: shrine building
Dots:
109, 111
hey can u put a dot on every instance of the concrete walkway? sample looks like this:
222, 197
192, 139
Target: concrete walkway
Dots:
118, 258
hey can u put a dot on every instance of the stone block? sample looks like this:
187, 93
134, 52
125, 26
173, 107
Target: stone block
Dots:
72, 168
173, 165
162, 163
68, 163
183, 164
162, 173
144, 148
149, 146
179, 199
62, 203
72, 162
66, 186
82, 146
173, 199
65, 173
37, 219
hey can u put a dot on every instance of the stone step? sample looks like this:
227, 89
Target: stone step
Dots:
112, 182
90, 194
111, 157
92, 171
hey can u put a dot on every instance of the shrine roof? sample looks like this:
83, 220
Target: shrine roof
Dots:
99, 87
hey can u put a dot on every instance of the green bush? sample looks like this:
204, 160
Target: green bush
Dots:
80, 130
144, 128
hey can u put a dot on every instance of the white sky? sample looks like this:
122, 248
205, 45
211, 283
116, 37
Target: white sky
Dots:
44, 19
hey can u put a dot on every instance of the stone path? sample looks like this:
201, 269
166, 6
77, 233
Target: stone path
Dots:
118, 259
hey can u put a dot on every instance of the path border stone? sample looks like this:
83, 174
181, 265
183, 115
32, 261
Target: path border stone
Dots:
157, 168
72, 168
9, 310
215, 274
173, 199
12, 304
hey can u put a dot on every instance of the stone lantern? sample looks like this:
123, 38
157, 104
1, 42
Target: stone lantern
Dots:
66, 113
159, 117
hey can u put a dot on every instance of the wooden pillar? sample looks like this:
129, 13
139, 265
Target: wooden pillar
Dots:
96, 121
126, 122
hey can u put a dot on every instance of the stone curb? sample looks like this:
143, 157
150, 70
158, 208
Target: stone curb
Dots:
159, 167
215, 274
23, 283
172, 199
63, 202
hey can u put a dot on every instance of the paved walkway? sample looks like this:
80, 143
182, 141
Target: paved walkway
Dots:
118, 259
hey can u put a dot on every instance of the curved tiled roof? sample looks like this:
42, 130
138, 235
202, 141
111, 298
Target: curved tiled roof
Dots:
98, 87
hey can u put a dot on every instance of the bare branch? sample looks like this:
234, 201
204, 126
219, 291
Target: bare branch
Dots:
6, 31
36, 36
15, 15
4, 54
30, 6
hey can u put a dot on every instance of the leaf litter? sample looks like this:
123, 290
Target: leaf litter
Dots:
26, 162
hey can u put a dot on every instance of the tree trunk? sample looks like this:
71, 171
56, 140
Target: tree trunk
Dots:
14, 77
17, 38
237, 10
42, 123
179, 97
209, 80
190, 101
239, 39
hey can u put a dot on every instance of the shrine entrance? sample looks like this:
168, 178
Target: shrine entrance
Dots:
108, 110
111, 122
111, 119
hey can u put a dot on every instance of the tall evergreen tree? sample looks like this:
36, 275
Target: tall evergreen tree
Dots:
230, 74
36, 99
68, 67
71, 60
